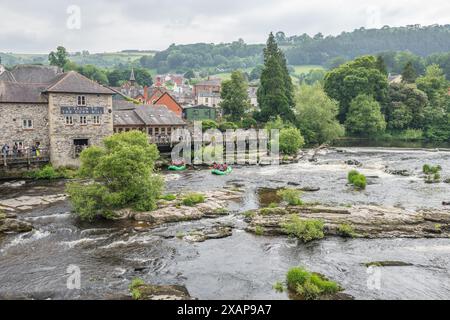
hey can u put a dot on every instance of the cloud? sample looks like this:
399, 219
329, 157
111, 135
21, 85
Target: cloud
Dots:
111, 25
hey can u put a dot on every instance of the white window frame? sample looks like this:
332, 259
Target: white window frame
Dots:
96, 120
83, 120
68, 120
81, 101
27, 124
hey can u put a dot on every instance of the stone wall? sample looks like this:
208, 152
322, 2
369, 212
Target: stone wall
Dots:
62, 136
11, 124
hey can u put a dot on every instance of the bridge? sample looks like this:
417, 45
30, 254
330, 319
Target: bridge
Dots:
25, 158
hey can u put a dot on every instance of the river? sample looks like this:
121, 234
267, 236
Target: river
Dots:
243, 266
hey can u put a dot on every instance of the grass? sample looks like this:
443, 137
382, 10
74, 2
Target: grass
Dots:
278, 287
432, 174
300, 69
191, 199
168, 197
291, 196
134, 288
259, 231
308, 285
346, 230
305, 230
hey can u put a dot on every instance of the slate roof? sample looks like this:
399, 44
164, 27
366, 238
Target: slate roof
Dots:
14, 92
149, 115
73, 82
35, 73
200, 106
29, 83
210, 82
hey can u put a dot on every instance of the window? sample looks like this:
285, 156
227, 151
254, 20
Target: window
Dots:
79, 145
96, 119
69, 120
27, 124
81, 101
206, 100
150, 131
83, 120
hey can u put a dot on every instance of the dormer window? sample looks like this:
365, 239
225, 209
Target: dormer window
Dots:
81, 101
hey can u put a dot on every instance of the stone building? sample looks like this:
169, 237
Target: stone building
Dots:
55, 112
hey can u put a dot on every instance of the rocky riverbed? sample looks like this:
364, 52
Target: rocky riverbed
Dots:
365, 221
208, 249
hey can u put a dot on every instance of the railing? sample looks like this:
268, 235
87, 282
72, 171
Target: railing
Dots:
25, 156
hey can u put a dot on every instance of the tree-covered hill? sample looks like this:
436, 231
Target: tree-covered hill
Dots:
419, 40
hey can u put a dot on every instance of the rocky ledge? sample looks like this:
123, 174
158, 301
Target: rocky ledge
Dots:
364, 221
9, 224
153, 292
25, 203
215, 204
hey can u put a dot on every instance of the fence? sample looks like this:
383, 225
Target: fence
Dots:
25, 157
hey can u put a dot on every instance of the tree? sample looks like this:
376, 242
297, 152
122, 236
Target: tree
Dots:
409, 74
406, 107
381, 65
360, 76
364, 116
189, 74
291, 140
275, 93
58, 58
317, 115
234, 95
122, 175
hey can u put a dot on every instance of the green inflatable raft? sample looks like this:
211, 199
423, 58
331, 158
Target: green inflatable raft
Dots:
222, 173
177, 168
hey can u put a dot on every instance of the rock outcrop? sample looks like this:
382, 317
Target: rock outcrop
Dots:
216, 203
25, 203
366, 221
153, 292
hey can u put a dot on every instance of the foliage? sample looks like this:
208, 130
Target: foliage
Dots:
224, 126
291, 196
314, 76
364, 116
275, 93
120, 75
123, 176
291, 141
316, 115
305, 230
248, 123
259, 231
357, 179
278, 287
309, 285
168, 197
134, 288
58, 58
354, 78
234, 94
409, 74
191, 199
50, 173
209, 124
346, 230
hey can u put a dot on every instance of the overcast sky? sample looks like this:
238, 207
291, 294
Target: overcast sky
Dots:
31, 26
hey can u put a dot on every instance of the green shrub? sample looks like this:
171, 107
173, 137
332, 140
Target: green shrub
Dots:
191, 199
305, 230
134, 288
224, 126
209, 124
272, 205
309, 286
50, 173
291, 196
248, 123
122, 175
357, 179
346, 230
291, 141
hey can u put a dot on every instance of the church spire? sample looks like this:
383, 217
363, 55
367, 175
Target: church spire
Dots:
132, 77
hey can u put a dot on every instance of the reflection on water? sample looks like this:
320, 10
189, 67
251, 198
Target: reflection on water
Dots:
242, 266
